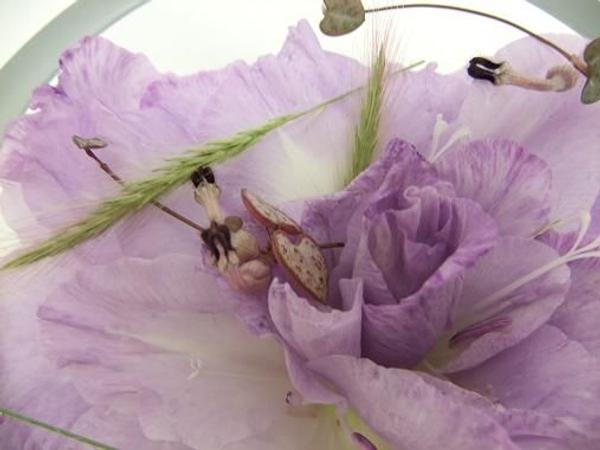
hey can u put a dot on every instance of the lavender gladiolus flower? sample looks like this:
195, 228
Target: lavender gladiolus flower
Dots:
463, 307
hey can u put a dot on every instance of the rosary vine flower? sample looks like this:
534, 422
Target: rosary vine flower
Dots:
461, 310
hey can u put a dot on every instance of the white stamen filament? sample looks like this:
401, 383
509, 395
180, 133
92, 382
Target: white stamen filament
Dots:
462, 133
207, 195
589, 251
585, 218
439, 128
558, 79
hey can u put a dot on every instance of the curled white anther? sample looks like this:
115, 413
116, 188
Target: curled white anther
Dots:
207, 195
562, 77
558, 79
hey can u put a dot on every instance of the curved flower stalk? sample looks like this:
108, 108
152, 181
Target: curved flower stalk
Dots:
457, 315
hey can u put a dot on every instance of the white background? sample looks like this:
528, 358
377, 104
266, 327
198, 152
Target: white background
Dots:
183, 36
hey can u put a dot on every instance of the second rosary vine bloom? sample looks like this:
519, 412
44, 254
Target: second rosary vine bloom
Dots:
461, 310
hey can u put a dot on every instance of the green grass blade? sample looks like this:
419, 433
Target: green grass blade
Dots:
36, 423
177, 170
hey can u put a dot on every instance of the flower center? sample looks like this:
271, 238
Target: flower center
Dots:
440, 127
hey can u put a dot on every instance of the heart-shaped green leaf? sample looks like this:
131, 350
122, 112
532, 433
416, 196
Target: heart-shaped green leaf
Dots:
342, 17
591, 90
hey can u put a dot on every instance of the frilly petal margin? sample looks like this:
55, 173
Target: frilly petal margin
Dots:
399, 334
512, 186
146, 117
303, 159
398, 167
554, 127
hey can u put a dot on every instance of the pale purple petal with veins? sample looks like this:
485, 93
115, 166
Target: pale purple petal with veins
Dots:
421, 267
415, 99
554, 127
145, 116
152, 341
160, 346
407, 410
312, 331
485, 295
549, 383
579, 315
33, 384
512, 186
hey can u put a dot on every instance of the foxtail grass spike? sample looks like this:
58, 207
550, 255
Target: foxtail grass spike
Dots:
136, 196
366, 136
175, 172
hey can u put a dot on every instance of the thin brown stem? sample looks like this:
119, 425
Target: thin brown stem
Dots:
88, 151
330, 245
573, 59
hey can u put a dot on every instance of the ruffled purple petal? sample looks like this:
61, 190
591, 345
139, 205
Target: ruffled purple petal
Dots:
579, 315
420, 266
408, 411
314, 332
513, 187
522, 281
398, 167
554, 127
321, 217
552, 378
98, 95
